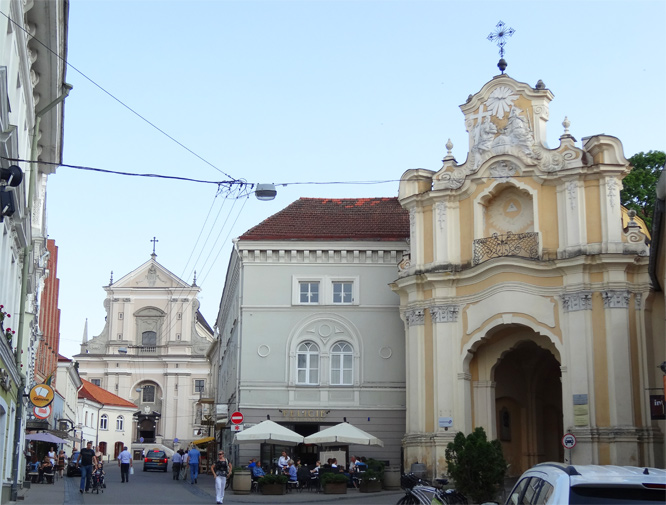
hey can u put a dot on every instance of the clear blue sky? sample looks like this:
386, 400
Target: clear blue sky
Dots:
305, 91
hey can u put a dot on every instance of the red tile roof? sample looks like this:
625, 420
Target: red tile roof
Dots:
62, 358
335, 219
97, 394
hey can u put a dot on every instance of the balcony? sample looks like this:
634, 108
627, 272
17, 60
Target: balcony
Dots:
522, 245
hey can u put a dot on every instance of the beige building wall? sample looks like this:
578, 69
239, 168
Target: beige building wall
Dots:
525, 294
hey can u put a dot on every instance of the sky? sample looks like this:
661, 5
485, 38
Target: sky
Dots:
339, 94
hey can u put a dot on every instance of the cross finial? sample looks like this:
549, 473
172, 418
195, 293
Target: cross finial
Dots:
154, 241
500, 34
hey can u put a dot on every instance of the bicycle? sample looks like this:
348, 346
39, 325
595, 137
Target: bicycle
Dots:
421, 492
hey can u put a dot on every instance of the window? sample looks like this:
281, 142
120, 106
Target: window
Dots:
342, 359
96, 382
148, 394
104, 422
149, 339
199, 385
342, 292
120, 423
309, 292
308, 364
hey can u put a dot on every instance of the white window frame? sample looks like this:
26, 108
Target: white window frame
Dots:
203, 386
326, 287
120, 423
341, 369
104, 422
308, 369
309, 282
343, 292
96, 382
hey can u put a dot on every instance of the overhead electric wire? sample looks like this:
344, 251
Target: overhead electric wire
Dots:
67, 63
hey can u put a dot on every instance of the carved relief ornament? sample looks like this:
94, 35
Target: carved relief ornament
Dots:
444, 313
415, 317
572, 302
615, 299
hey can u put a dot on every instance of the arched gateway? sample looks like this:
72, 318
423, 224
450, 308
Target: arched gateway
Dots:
521, 373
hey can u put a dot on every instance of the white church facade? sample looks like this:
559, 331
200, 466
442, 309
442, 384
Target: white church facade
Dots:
152, 352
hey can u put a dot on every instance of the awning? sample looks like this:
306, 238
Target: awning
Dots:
202, 441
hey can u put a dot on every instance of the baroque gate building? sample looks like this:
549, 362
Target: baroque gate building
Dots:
526, 295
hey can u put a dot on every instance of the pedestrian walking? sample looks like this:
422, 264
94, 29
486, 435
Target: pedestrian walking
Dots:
193, 457
221, 471
184, 465
124, 462
85, 462
176, 460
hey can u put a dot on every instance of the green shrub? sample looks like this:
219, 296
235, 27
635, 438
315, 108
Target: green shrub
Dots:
476, 465
271, 478
370, 475
333, 478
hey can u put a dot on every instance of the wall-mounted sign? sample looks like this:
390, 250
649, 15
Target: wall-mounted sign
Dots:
568, 441
306, 413
42, 412
657, 410
41, 395
445, 422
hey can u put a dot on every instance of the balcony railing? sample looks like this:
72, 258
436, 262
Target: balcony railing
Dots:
524, 245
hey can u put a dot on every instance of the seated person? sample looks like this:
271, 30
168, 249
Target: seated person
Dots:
292, 471
315, 470
257, 471
251, 464
47, 469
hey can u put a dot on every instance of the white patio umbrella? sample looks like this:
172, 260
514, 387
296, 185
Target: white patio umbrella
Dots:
268, 432
343, 433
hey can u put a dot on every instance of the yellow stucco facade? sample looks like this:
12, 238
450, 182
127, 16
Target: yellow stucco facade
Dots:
524, 298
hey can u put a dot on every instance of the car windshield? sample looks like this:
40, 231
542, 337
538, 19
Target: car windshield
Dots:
589, 495
155, 454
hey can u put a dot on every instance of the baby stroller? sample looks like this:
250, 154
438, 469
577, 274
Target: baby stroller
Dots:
98, 480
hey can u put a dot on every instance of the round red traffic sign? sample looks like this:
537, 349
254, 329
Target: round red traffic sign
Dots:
236, 418
568, 441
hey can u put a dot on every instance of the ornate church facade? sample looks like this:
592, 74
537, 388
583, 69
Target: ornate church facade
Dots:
526, 295
152, 352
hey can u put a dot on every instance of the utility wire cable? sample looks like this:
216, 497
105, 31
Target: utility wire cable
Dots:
113, 97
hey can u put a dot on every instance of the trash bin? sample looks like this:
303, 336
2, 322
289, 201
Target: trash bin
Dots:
137, 455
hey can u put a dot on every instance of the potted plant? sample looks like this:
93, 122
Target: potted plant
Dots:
334, 483
241, 480
273, 484
370, 481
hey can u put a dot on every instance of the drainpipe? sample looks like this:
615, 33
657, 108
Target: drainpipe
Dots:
24, 287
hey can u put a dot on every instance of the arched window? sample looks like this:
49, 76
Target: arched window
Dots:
342, 363
308, 364
104, 422
148, 394
120, 423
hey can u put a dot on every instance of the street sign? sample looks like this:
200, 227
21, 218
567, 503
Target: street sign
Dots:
42, 412
236, 428
568, 441
236, 418
445, 422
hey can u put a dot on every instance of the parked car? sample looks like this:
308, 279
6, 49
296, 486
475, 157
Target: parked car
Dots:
155, 460
557, 483
72, 469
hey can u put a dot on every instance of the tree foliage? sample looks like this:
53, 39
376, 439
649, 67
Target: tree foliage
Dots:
476, 465
640, 185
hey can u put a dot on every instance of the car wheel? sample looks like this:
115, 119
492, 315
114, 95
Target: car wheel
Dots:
165, 470
144, 468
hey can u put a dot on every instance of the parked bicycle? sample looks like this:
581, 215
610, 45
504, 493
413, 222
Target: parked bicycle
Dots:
421, 492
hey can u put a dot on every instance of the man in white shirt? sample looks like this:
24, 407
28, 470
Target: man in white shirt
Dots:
283, 462
124, 462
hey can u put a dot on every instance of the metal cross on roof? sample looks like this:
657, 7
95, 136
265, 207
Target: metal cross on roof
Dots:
154, 241
500, 34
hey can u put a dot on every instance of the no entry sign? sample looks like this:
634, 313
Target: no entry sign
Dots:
236, 418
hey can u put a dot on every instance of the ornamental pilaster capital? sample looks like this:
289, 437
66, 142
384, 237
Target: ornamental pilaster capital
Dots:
415, 317
572, 302
444, 313
615, 299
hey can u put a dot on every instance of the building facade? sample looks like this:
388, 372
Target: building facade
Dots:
308, 331
526, 294
152, 352
32, 92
